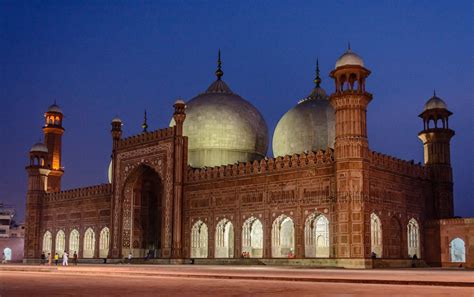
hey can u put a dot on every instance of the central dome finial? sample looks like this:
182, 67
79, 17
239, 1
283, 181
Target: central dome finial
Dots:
317, 79
145, 125
219, 72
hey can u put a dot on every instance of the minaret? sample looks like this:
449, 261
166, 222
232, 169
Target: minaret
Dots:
436, 136
37, 186
350, 101
180, 161
53, 132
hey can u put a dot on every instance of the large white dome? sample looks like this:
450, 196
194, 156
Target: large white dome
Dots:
309, 126
223, 128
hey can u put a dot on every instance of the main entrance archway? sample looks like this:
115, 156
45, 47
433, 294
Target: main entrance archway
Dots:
143, 193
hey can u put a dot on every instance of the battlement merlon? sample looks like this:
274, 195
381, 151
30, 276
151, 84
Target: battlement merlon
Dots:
97, 190
270, 165
399, 166
145, 137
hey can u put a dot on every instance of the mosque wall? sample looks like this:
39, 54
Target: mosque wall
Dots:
451, 242
77, 209
293, 186
399, 192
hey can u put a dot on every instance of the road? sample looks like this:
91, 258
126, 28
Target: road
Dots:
95, 281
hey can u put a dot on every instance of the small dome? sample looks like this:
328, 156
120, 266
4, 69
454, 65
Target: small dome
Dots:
116, 120
435, 103
179, 101
54, 108
349, 58
39, 147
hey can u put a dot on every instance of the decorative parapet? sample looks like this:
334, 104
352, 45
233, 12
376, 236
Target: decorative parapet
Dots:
397, 165
147, 137
453, 221
269, 165
98, 190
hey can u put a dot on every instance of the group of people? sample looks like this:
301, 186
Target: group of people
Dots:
49, 259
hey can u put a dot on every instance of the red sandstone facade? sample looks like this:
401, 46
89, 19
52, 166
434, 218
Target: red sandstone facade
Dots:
155, 199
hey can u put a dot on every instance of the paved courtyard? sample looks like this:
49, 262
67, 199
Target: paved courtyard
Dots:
142, 280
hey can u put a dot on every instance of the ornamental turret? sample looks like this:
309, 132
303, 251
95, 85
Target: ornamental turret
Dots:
436, 137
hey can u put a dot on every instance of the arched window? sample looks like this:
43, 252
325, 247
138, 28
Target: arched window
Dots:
47, 242
60, 243
316, 235
73, 242
457, 250
104, 241
283, 237
376, 235
413, 235
89, 244
199, 240
252, 237
224, 239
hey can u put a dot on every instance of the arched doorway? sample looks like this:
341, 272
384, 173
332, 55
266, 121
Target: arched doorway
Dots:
47, 242
199, 240
89, 244
8, 254
283, 237
104, 241
142, 219
375, 235
316, 233
224, 239
252, 237
74, 242
60, 246
457, 250
413, 235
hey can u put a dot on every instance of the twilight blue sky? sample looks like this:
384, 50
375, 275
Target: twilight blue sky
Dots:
99, 59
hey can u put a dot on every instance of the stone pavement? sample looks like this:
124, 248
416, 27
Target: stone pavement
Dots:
194, 280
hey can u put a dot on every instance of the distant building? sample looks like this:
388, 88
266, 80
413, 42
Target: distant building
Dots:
205, 188
11, 234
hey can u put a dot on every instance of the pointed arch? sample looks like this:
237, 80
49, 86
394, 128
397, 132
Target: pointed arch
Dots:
283, 237
60, 245
394, 239
252, 237
224, 239
47, 242
142, 205
413, 236
73, 242
457, 250
316, 234
376, 235
89, 244
199, 240
104, 242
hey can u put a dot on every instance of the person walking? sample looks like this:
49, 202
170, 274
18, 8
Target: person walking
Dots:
56, 259
74, 259
65, 258
130, 258
4, 259
43, 258
50, 259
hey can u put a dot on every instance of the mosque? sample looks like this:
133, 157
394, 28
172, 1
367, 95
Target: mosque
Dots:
205, 189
